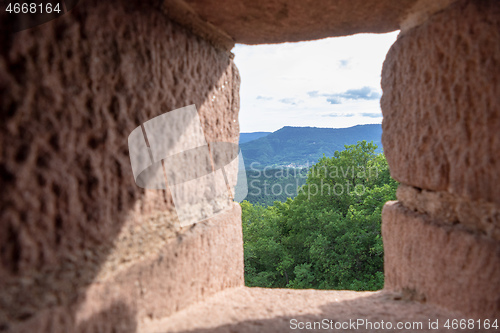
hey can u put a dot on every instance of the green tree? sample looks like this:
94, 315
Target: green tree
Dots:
263, 251
328, 236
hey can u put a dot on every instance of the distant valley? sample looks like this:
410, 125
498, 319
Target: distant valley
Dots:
247, 137
298, 147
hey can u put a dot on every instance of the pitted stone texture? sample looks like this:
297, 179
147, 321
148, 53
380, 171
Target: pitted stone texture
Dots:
440, 264
443, 207
200, 261
441, 103
263, 310
277, 21
71, 91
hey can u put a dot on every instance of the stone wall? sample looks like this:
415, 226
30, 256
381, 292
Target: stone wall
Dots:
441, 107
80, 243
82, 248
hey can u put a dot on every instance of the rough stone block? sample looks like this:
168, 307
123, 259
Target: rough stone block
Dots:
71, 91
200, 261
475, 216
251, 310
278, 21
440, 264
441, 102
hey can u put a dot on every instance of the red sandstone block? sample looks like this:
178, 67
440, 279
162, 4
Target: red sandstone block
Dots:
201, 261
441, 102
73, 89
440, 264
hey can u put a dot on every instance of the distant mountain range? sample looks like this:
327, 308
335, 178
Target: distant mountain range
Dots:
247, 137
303, 146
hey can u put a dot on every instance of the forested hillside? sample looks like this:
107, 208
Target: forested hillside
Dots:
303, 146
274, 184
328, 237
247, 137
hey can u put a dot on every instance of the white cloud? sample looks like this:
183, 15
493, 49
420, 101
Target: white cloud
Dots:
292, 83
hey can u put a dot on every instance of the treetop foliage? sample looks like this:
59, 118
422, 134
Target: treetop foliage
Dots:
328, 236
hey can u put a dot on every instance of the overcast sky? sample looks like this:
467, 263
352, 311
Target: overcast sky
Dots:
333, 82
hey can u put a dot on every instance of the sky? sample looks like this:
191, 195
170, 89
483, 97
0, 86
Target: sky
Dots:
332, 82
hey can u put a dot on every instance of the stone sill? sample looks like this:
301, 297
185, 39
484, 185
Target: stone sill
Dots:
245, 309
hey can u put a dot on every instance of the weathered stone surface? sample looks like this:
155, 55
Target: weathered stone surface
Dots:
271, 310
181, 13
440, 264
257, 22
83, 249
441, 103
71, 91
443, 207
198, 262
421, 11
